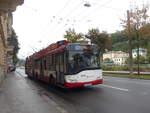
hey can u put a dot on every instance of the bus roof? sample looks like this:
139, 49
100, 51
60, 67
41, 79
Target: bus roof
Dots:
54, 48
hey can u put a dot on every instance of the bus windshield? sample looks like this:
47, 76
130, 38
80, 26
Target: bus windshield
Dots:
83, 59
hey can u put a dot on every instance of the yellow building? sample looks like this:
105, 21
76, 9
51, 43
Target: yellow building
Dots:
6, 7
118, 57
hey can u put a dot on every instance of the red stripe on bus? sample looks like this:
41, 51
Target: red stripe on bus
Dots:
81, 84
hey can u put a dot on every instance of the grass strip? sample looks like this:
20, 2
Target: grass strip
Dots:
141, 76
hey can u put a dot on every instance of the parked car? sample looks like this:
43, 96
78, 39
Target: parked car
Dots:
11, 68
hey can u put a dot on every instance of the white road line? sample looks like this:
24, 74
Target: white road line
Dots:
122, 89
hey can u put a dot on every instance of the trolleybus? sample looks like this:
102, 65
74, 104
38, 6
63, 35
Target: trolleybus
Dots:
67, 65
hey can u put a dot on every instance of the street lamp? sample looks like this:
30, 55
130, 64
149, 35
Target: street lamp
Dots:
87, 4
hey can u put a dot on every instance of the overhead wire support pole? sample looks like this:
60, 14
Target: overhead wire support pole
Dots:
138, 55
130, 43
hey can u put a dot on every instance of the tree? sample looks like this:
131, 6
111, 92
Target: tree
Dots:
74, 37
92, 34
139, 21
108, 60
101, 39
145, 31
14, 42
119, 36
119, 41
138, 18
141, 59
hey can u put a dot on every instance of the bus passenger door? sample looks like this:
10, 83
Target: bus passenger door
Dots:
59, 69
41, 69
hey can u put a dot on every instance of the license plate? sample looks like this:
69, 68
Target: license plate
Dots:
87, 84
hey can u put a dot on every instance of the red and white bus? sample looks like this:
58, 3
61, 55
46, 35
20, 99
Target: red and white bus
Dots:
65, 64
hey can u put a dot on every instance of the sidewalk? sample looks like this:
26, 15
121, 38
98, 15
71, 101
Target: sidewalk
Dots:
19, 96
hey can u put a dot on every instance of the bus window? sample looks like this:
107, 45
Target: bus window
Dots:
53, 62
50, 60
45, 64
36, 64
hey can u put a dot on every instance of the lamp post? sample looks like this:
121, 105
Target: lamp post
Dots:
87, 4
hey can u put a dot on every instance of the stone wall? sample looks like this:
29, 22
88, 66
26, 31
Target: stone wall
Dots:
3, 46
2, 76
6, 7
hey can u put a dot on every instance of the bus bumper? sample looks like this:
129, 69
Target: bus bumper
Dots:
81, 84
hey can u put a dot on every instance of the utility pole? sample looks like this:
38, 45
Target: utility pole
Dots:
137, 51
130, 43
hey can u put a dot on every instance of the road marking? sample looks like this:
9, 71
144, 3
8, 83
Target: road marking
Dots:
122, 89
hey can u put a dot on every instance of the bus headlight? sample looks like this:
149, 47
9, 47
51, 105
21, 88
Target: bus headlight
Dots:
70, 79
99, 77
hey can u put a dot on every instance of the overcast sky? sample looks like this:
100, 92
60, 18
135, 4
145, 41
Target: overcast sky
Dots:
39, 23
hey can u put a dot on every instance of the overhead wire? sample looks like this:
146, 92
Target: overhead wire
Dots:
103, 5
61, 10
91, 12
57, 20
73, 21
66, 17
74, 9
71, 12
79, 15
56, 16
95, 10
84, 10
68, 14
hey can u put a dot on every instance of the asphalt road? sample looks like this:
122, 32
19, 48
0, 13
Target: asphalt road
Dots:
116, 95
